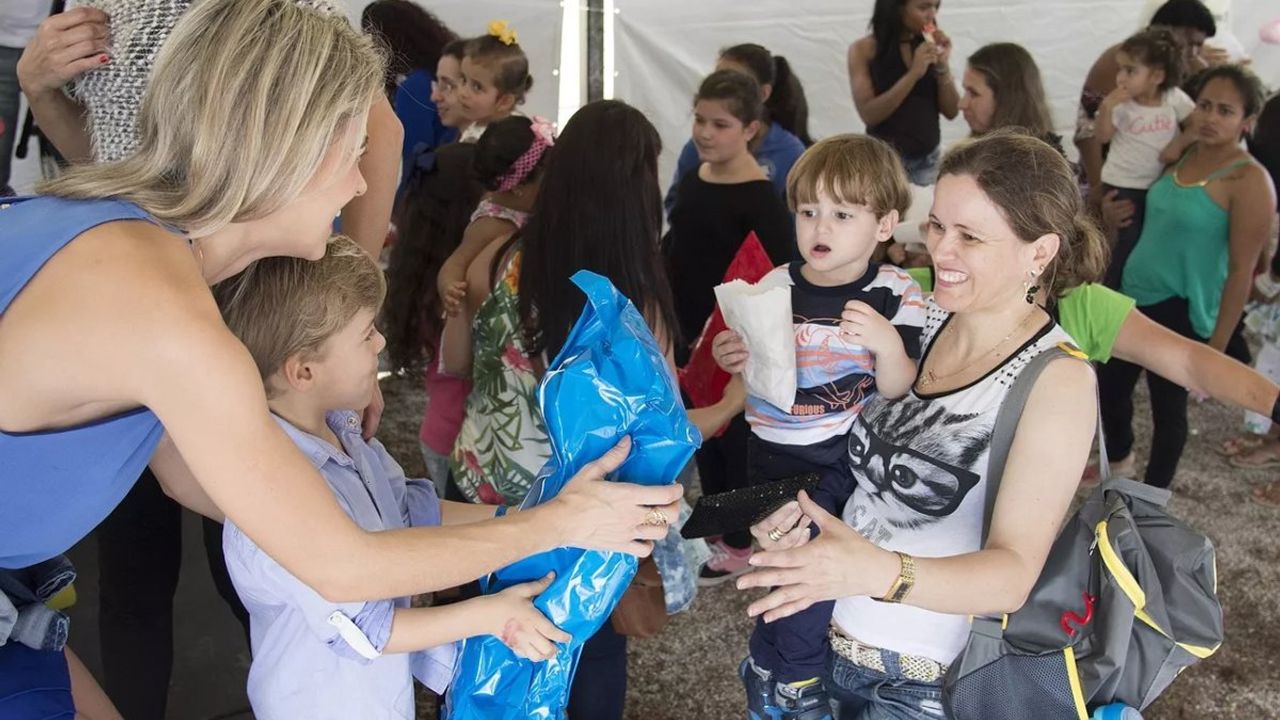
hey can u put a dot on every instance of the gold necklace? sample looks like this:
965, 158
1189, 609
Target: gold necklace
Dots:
929, 378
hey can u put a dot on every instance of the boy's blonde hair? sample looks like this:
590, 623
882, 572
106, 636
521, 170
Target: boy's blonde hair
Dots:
280, 307
853, 170
244, 101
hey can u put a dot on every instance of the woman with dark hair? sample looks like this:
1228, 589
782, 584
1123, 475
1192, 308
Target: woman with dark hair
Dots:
900, 76
416, 40
599, 208
784, 126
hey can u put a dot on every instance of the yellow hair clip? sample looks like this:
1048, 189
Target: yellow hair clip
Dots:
501, 30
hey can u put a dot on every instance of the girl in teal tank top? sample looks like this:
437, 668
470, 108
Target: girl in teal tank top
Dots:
1205, 223
1183, 250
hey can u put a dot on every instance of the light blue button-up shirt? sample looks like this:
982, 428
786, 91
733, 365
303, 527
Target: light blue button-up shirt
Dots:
302, 667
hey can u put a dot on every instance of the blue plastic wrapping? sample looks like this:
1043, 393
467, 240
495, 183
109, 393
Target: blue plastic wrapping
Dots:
609, 380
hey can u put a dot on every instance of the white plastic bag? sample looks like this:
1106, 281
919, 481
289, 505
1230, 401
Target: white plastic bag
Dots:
761, 314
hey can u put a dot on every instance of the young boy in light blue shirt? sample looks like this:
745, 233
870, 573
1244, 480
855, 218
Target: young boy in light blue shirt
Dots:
310, 329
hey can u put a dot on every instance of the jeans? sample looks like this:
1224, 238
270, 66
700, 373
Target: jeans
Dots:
861, 693
9, 100
140, 555
923, 170
1126, 237
34, 683
599, 690
1116, 380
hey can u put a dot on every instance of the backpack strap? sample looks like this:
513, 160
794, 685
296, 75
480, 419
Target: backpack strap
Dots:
1006, 426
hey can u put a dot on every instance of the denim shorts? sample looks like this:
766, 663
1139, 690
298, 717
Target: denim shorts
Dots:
860, 693
923, 170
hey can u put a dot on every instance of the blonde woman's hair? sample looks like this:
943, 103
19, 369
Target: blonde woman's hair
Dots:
281, 306
1035, 189
853, 170
245, 99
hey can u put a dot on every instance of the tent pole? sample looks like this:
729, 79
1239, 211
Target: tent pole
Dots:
595, 50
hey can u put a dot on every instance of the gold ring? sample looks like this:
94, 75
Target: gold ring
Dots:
776, 534
656, 517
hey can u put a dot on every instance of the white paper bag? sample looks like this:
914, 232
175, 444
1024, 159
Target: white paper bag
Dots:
761, 314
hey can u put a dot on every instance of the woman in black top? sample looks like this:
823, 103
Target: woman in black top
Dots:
901, 80
717, 204
722, 200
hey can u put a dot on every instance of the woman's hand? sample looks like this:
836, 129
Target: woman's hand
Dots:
1117, 213
784, 528
833, 565
65, 46
520, 625
943, 42
596, 514
926, 54
730, 352
371, 417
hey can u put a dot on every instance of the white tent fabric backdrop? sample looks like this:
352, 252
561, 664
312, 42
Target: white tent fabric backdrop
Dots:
664, 47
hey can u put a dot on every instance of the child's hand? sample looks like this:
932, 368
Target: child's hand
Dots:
784, 528
730, 352
521, 626
861, 324
1115, 97
451, 298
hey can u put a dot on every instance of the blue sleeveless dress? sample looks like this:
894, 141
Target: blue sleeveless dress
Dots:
57, 485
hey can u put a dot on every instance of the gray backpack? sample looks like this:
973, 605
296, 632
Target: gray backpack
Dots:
1127, 599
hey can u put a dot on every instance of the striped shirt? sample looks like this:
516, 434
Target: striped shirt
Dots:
834, 377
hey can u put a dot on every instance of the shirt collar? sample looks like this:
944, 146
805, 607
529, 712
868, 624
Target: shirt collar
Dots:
344, 423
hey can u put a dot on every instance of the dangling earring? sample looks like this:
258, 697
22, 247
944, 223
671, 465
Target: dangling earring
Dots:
1031, 287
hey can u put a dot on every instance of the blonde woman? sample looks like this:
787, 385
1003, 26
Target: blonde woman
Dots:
113, 354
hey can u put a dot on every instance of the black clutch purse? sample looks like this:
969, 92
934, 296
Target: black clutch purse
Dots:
740, 509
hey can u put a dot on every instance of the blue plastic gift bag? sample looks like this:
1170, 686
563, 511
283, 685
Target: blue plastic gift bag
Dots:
610, 379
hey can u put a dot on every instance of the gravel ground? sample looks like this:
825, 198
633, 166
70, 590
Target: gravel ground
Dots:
690, 670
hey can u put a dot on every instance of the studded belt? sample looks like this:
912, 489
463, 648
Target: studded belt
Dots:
913, 667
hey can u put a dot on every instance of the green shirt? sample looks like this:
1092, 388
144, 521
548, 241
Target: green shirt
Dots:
1091, 314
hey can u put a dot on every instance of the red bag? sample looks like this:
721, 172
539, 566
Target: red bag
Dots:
701, 379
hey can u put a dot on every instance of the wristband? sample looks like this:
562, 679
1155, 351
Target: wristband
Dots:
502, 510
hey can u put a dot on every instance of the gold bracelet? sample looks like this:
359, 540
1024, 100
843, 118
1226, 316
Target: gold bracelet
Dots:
904, 582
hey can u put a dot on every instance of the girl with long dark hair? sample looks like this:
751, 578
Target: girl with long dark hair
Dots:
599, 208
900, 75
